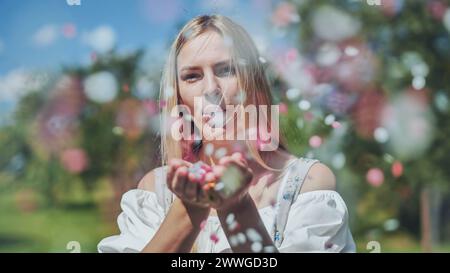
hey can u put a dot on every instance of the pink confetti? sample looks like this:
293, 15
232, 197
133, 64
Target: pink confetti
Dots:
315, 141
283, 108
203, 225
397, 169
336, 125
69, 31
74, 160
151, 107
291, 55
285, 14
375, 177
214, 238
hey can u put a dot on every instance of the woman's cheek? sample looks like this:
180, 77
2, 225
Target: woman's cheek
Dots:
231, 94
188, 95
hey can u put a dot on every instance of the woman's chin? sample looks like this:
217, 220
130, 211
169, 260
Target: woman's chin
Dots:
212, 132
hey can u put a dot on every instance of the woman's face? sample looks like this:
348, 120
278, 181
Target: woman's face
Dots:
204, 71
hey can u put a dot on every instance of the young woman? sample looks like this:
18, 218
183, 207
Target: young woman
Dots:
226, 195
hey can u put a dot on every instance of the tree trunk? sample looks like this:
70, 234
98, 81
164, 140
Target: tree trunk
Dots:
425, 219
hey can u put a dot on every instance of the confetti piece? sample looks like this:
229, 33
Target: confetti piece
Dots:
117, 130
203, 225
241, 238
209, 149
375, 177
69, 31
291, 55
231, 222
209, 186
233, 226
336, 125
234, 240
207, 168
315, 141
199, 170
283, 108
230, 218
219, 186
329, 119
253, 235
293, 93
304, 105
232, 179
381, 135
338, 161
256, 247
221, 152
351, 51
101, 87
269, 249
397, 169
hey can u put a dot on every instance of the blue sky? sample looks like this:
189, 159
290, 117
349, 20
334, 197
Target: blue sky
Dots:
136, 23
32, 40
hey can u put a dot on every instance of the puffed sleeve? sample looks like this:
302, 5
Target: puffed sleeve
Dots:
138, 222
318, 222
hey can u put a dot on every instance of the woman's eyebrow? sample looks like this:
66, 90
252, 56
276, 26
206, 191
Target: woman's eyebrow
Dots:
221, 63
189, 68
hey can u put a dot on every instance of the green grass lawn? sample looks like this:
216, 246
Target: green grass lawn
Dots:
50, 229
398, 243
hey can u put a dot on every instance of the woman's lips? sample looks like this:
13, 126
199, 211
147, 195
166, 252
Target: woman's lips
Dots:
214, 119
206, 118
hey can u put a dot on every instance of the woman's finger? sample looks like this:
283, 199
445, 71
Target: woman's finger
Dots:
214, 197
179, 180
190, 190
218, 171
202, 197
224, 160
174, 164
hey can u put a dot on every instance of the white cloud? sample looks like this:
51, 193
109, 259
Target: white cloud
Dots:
46, 35
332, 24
18, 83
102, 39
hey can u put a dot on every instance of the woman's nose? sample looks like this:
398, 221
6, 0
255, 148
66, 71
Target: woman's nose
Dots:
211, 83
212, 92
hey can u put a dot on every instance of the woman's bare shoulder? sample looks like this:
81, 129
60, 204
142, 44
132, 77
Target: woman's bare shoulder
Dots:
148, 181
319, 177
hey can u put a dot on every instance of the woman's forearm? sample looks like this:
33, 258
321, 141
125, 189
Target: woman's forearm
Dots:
179, 229
246, 215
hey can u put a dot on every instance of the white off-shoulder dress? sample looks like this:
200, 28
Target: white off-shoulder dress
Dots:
315, 221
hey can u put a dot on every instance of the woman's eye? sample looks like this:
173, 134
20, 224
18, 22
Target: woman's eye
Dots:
190, 77
225, 71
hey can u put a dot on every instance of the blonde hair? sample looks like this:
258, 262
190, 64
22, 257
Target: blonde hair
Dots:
249, 72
